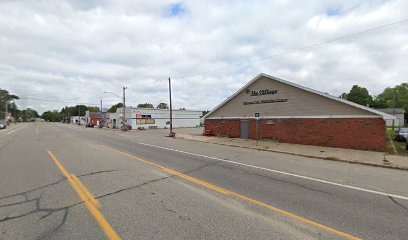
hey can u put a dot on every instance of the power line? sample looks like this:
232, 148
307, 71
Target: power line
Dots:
59, 101
299, 49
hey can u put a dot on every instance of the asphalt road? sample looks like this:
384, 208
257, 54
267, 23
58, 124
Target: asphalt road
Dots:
62, 181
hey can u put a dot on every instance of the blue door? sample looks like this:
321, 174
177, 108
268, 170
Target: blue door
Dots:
244, 129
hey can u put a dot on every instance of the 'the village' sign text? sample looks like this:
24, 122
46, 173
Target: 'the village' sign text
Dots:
261, 92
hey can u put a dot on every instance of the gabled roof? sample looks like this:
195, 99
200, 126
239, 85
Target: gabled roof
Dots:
384, 115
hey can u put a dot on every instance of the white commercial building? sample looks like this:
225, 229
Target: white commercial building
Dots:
74, 119
156, 118
399, 113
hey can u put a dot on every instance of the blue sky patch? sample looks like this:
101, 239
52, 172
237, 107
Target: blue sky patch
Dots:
177, 9
333, 11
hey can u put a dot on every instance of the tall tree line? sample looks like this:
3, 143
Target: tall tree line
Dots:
25, 115
396, 96
65, 113
391, 97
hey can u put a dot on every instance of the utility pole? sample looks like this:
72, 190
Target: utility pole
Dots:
5, 117
171, 134
79, 113
257, 115
124, 106
101, 112
64, 115
393, 111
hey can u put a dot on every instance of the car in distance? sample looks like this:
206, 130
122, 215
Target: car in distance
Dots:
2, 124
89, 125
401, 134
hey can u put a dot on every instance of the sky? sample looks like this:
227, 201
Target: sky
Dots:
69, 52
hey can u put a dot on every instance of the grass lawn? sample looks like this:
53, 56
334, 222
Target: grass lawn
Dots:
400, 146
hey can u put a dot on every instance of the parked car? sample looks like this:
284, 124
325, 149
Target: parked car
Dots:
2, 124
401, 134
89, 125
126, 127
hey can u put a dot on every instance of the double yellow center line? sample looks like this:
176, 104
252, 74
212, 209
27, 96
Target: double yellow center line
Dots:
86, 196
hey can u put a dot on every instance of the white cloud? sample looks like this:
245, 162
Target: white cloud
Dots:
76, 50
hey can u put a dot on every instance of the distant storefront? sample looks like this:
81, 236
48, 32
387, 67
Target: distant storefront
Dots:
155, 118
287, 112
96, 118
75, 119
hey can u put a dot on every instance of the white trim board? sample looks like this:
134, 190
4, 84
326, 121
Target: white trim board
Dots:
385, 116
290, 117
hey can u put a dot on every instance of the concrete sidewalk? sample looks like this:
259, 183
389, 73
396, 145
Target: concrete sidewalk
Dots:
378, 159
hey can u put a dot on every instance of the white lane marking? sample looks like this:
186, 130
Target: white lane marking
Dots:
284, 173
15, 130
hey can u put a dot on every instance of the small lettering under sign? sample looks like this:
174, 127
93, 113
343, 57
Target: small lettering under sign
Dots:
266, 101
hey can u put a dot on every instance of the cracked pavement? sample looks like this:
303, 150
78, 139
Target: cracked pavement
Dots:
141, 201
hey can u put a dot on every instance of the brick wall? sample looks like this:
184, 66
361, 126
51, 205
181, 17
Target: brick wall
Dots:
227, 128
354, 133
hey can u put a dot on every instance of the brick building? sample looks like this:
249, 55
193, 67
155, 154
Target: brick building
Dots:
290, 113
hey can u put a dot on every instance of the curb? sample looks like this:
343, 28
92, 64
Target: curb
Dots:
305, 155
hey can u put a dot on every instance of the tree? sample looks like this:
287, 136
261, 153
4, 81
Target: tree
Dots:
52, 116
145, 105
5, 97
74, 110
13, 109
93, 109
378, 103
359, 95
395, 97
114, 107
182, 108
205, 112
29, 115
162, 106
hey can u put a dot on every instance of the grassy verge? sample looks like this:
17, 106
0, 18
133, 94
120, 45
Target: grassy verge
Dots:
399, 146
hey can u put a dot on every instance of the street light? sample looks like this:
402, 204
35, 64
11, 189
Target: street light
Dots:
171, 133
395, 100
113, 94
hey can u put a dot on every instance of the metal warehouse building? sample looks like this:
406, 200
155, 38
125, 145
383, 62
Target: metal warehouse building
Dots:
288, 112
156, 118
